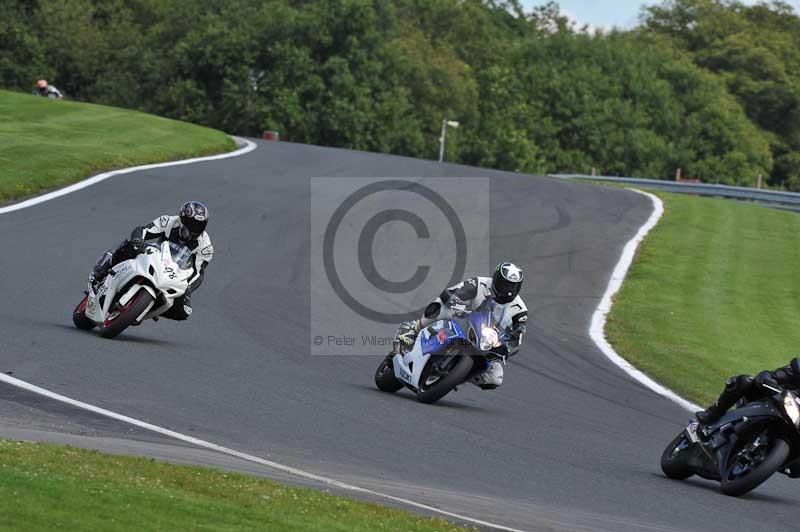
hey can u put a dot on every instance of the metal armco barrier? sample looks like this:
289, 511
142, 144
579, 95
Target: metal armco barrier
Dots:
786, 200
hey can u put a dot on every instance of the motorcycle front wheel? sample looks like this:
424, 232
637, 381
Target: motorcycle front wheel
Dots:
385, 379
673, 459
432, 388
127, 315
749, 466
79, 316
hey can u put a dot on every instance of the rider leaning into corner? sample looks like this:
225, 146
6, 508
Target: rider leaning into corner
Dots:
512, 314
188, 228
750, 388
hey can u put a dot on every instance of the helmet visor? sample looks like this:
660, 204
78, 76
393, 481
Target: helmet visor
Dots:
504, 290
194, 226
194, 218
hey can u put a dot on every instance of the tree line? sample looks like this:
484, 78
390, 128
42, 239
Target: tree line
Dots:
708, 86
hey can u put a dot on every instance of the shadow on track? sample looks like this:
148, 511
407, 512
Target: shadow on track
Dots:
711, 486
442, 403
124, 338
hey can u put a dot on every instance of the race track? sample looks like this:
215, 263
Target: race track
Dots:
569, 442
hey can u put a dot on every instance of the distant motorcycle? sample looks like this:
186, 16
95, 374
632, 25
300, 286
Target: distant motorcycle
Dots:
445, 354
136, 290
744, 448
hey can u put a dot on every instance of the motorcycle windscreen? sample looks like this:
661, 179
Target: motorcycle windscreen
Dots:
181, 254
488, 314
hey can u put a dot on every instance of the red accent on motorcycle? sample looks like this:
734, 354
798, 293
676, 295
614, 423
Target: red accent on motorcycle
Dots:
82, 305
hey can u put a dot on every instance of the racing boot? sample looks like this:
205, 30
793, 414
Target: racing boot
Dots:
709, 416
735, 389
490, 378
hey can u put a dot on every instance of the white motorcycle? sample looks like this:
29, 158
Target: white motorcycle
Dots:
136, 290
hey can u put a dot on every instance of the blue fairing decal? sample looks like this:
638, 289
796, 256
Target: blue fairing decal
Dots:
444, 334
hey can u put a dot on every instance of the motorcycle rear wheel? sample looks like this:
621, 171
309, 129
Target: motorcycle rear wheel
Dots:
776, 456
127, 316
457, 374
673, 463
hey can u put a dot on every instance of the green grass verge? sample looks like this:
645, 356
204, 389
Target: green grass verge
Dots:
48, 487
713, 292
46, 144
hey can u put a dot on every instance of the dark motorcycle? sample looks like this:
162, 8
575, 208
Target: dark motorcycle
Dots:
744, 448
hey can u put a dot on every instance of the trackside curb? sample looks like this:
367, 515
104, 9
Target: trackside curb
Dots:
598, 324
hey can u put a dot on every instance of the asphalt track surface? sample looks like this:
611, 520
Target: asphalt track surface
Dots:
569, 442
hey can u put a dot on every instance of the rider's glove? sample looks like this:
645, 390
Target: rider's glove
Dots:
137, 244
765, 378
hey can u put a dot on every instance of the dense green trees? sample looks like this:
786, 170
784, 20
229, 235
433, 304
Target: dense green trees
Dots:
756, 51
705, 85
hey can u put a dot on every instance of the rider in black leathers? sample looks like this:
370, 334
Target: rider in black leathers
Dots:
750, 387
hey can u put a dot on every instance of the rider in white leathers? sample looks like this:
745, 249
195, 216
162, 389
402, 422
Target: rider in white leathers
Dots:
188, 228
510, 311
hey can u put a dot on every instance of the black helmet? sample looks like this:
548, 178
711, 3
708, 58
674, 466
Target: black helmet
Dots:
194, 218
506, 282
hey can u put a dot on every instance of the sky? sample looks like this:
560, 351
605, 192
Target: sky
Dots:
608, 13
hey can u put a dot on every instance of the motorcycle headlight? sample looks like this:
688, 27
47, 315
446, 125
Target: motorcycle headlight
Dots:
791, 408
490, 339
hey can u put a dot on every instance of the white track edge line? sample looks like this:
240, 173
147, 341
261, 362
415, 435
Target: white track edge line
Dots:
598, 324
247, 148
243, 456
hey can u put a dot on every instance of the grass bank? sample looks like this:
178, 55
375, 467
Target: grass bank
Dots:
714, 291
46, 144
46, 487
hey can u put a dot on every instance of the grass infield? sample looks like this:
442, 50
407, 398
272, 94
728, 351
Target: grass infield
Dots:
46, 144
714, 291
49, 487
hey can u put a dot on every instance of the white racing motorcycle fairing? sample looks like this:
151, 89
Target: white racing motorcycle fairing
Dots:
164, 271
408, 368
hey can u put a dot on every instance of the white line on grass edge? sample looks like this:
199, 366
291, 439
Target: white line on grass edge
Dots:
244, 456
249, 146
598, 325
